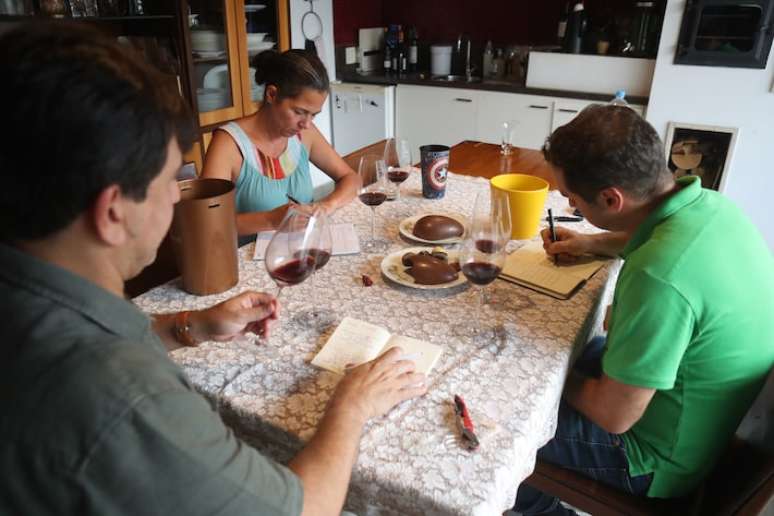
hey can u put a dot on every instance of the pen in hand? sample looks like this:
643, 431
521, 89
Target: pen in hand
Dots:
291, 198
553, 233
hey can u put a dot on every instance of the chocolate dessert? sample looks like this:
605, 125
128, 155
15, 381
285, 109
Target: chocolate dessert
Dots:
430, 269
437, 227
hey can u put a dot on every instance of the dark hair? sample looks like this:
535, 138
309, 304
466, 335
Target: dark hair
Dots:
82, 113
290, 71
608, 146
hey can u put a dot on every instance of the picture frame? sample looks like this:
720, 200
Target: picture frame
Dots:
702, 150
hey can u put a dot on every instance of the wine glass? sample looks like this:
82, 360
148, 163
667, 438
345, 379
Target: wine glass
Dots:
397, 157
317, 317
506, 141
373, 192
482, 254
291, 255
501, 214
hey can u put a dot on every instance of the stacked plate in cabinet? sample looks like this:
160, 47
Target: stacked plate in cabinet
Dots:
208, 43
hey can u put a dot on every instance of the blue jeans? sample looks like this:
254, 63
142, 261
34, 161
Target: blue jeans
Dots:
582, 446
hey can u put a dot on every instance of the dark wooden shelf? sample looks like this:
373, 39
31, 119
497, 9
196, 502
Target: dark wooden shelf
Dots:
144, 25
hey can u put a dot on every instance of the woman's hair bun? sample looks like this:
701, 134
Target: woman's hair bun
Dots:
290, 71
264, 63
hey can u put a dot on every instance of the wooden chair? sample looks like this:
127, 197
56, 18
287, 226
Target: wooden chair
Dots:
353, 158
741, 483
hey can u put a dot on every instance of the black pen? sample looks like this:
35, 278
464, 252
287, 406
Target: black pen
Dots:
291, 198
553, 233
563, 218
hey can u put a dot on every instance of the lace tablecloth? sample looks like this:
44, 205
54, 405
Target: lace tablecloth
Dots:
410, 461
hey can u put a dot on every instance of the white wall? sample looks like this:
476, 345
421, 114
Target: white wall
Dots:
731, 97
324, 8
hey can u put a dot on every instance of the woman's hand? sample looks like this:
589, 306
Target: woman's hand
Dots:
246, 312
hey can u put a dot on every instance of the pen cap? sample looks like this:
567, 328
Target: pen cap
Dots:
527, 198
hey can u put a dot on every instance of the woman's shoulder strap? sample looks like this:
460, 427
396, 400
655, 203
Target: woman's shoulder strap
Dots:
242, 141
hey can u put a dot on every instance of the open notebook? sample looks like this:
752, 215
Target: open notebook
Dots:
355, 342
531, 267
344, 239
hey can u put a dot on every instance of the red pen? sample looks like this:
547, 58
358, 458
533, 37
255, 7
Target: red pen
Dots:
465, 424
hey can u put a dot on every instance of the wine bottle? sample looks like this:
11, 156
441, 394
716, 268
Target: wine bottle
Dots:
413, 52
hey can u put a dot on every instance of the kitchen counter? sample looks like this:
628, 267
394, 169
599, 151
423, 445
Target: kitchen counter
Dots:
422, 79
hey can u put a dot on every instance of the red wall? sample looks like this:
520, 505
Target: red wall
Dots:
350, 15
502, 21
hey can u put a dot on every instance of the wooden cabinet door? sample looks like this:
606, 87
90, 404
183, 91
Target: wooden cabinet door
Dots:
258, 26
216, 61
434, 115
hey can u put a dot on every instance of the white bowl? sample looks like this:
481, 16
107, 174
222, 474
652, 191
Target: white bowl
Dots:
256, 37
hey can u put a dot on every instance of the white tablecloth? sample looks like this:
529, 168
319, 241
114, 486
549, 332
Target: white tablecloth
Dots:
410, 461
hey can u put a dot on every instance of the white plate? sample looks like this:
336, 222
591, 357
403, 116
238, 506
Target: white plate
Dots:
209, 54
256, 37
259, 46
217, 77
406, 228
393, 268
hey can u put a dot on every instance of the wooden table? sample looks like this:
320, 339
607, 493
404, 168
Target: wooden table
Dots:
480, 159
471, 158
410, 461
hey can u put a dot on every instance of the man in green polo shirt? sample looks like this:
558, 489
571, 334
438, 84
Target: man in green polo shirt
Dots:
96, 419
691, 327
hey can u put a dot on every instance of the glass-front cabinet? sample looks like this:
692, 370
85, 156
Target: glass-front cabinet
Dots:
202, 46
224, 37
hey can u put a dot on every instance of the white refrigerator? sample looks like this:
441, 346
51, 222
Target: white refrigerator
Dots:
362, 114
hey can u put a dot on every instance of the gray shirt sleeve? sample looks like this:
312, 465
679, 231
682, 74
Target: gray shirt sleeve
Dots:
171, 454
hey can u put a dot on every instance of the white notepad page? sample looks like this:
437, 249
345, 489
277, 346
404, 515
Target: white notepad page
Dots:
344, 236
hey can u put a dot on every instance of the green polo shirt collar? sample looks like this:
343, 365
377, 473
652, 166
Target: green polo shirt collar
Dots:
105, 309
690, 190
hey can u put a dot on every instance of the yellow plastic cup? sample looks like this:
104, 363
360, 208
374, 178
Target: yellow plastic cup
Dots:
527, 197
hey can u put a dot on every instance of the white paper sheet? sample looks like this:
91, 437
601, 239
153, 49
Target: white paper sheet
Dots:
344, 236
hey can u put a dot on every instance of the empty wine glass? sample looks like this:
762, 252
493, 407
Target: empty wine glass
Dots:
397, 157
501, 214
373, 192
506, 140
291, 254
482, 254
316, 317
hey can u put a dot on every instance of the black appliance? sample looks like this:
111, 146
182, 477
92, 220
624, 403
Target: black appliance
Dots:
735, 33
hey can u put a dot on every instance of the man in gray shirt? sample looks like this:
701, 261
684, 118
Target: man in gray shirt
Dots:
96, 419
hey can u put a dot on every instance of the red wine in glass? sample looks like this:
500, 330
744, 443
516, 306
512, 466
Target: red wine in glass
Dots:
320, 256
372, 198
487, 246
293, 271
397, 176
481, 273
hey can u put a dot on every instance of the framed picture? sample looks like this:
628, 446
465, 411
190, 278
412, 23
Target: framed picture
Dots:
700, 150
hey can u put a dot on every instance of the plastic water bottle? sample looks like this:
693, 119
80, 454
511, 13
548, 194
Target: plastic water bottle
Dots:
619, 99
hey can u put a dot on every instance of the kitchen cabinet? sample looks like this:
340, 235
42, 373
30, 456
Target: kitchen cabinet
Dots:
531, 114
201, 46
434, 115
224, 35
429, 114
567, 109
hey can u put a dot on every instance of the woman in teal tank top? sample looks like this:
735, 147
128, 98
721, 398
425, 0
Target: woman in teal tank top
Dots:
267, 154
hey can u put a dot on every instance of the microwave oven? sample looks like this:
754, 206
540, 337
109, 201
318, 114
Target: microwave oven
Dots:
734, 33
